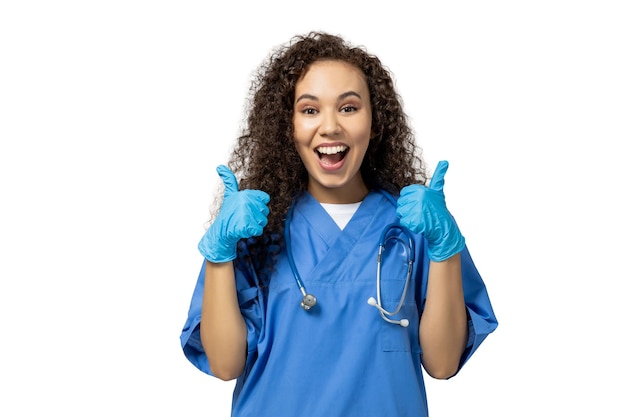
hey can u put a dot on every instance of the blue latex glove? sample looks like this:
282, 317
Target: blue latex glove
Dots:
243, 214
423, 210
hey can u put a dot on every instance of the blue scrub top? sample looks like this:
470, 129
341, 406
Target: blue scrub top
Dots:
340, 358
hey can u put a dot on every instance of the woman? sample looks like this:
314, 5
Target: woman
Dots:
327, 162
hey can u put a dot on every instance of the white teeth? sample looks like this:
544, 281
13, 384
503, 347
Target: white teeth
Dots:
331, 150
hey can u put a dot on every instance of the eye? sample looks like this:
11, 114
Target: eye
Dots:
349, 108
309, 110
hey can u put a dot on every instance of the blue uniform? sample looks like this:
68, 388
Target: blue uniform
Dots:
340, 358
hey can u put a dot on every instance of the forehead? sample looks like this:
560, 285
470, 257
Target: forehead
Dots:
332, 75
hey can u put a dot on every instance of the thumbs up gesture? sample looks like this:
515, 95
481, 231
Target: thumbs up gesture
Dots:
423, 210
243, 214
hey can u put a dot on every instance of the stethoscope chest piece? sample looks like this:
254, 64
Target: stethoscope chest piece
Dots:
308, 301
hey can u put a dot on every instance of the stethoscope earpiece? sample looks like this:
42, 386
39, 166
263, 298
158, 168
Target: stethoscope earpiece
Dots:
384, 313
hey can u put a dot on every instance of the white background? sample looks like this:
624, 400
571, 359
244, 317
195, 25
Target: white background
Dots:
114, 115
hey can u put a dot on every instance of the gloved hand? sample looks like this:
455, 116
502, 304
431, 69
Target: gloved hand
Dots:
423, 210
243, 214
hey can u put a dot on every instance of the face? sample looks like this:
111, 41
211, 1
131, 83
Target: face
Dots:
332, 129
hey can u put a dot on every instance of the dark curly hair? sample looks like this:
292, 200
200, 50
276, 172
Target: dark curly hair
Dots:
264, 156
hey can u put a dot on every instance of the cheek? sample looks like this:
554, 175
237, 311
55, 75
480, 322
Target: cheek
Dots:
303, 133
300, 142
302, 126
360, 128
363, 134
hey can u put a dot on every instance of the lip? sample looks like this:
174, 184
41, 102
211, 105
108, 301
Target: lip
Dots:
332, 167
336, 166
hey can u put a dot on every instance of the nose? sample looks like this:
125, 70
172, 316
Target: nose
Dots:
330, 124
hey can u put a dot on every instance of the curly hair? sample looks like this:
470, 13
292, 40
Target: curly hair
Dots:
264, 156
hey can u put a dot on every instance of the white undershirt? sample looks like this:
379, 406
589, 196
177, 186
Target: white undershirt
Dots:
341, 213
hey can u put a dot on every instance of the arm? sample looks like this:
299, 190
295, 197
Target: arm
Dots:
222, 328
443, 326
223, 331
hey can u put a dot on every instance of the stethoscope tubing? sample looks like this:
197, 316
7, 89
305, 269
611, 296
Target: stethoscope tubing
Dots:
410, 248
308, 300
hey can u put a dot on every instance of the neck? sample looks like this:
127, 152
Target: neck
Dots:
341, 195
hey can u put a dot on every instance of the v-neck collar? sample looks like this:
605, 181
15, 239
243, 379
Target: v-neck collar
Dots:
319, 247
325, 226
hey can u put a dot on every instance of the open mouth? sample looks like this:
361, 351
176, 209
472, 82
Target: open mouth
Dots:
330, 155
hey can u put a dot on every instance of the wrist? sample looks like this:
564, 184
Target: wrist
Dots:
450, 245
216, 249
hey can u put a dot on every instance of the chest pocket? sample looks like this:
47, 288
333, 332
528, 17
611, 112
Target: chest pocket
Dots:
396, 338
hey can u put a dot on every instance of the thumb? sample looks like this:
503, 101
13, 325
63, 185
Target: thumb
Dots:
229, 179
436, 183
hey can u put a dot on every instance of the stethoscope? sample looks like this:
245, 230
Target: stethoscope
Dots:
409, 245
309, 300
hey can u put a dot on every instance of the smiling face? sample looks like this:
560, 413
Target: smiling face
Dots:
332, 129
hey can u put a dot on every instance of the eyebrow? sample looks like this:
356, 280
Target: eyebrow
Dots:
341, 96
